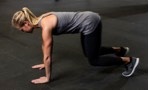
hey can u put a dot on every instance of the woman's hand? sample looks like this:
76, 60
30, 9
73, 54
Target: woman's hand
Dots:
40, 80
38, 66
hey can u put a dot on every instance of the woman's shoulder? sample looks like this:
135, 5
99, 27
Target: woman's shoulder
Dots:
49, 21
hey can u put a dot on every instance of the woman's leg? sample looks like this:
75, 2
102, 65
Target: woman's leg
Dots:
107, 50
119, 51
91, 46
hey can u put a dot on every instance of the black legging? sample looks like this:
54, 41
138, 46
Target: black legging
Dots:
97, 55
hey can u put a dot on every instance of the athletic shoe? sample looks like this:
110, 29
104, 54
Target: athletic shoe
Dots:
123, 51
130, 67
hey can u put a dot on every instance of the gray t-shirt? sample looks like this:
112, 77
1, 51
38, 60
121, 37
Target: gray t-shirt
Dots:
75, 22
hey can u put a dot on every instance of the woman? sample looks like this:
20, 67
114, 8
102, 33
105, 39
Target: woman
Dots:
88, 24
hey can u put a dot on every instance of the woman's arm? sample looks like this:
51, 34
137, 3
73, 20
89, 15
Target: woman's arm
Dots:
47, 51
47, 25
47, 56
50, 23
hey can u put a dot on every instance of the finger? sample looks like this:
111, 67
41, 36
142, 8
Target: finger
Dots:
36, 81
35, 66
33, 81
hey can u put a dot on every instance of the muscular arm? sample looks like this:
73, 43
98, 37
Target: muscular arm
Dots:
47, 57
47, 51
47, 24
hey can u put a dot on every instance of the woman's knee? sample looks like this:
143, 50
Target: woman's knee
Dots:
94, 62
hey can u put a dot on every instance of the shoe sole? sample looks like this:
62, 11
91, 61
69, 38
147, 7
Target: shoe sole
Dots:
136, 64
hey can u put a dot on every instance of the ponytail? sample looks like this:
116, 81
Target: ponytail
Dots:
30, 16
23, 15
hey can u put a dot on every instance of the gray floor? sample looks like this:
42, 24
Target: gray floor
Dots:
124, 24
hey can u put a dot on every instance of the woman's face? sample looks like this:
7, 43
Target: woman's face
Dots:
27, 27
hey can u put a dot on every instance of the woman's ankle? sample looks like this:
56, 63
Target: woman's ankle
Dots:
126, 60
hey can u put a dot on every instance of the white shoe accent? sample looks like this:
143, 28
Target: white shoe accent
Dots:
127, 50
136, 64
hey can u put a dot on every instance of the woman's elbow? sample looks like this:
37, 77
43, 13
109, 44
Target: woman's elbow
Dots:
47, 59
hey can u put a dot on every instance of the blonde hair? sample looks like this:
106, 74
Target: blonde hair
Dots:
23, 15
